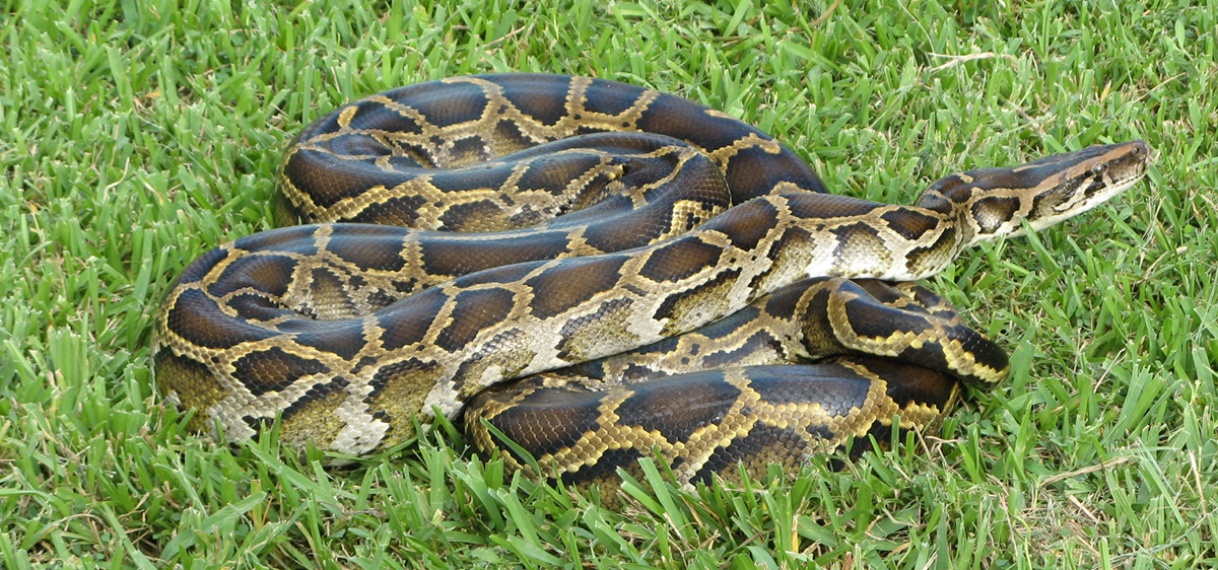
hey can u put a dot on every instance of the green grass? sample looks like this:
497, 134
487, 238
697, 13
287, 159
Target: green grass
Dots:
135, 135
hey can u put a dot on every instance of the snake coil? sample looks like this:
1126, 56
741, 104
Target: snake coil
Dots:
644, 275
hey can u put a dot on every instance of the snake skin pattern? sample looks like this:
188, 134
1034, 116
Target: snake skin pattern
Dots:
593, 272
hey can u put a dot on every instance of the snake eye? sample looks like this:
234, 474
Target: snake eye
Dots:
1099, 168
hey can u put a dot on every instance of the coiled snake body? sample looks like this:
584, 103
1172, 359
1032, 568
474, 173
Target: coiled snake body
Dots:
648, 276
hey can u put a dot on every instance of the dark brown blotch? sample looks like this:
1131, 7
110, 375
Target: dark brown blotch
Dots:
578, 281
316, 173
885, 293
368, 246
374, 115
198, 319
509, 135
258, 307
837, 388
746, 224
910, 224
455, 256
762, 447
355, 145
913, 384
851, 238
553, 174
407, 322
269, 274
390, 373
993, 211
678, 406
544, 422
402, 210
475, 216
446, 104
616, 232
470, 150
869, 318
756, 171
344, 338
683, 119
544, 102
679, 259
941, 248
784, 302
273, 369
610, 97
472, 312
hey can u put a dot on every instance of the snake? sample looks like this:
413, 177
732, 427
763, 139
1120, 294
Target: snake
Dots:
585, 273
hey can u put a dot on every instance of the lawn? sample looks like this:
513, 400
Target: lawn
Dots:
134, 136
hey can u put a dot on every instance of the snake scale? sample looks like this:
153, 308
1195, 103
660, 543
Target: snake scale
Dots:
595, 272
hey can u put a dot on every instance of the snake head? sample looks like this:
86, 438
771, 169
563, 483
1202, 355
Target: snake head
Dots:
995, 202
1075, 182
